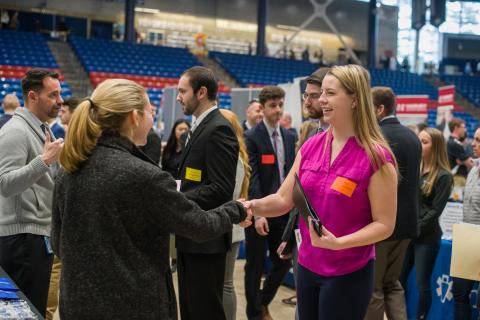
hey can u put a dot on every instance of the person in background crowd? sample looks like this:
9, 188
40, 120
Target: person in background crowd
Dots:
288, 238
421, 126
306, 130
286, 123
313, 109
207, 172
65, 114
28, 160
292, 54
10, 104
153, 148
113, 211
306, 54
5, 19
14, 23
468, 69
311, 99
172, 151
271, 152
254, 115
458, 158
242, 180
471, 214
355, 200
56, 128
68, 107
435, 187
388, 295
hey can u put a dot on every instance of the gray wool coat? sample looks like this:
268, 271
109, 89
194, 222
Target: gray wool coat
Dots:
111, 222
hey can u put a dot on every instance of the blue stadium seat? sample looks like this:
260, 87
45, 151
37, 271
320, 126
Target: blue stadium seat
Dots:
248, 69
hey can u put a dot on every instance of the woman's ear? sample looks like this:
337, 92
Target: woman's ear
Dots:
133, 117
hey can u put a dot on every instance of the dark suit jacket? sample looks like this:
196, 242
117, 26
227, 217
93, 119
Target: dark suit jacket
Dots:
153, 148
408, 151
58, 131
244, 125
4, 119
265, 177
207, 171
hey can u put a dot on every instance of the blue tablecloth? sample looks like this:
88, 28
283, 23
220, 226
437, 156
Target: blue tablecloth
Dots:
442, 297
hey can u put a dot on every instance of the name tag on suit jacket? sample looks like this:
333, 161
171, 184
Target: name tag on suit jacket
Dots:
193, 174
268, 159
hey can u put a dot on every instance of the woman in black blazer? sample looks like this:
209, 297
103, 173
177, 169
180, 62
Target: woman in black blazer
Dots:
114, 210
436, 186
172, 152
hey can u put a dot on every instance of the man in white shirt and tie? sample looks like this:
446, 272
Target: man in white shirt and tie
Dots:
207, 172
271, 151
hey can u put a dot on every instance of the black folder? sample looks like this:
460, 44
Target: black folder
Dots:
305, 207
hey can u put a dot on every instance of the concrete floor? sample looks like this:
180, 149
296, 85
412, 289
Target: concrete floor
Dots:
278, 310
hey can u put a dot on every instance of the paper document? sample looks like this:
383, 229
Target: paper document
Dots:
466, 251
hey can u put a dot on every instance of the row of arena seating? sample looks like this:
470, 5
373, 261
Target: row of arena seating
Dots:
248, 70
19, 52
25, 49
18, 72
403, 83
471, 123
119, 57
467, 86
153, 67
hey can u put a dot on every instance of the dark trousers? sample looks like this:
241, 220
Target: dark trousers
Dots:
25, 259
255, 248
461, 296
200, 285
388, 295
340, 297
423, 257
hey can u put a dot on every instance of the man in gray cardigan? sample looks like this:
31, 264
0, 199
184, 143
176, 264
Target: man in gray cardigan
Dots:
28, 157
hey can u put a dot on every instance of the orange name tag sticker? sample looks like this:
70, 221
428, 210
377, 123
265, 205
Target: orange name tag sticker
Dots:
268, 159
344, 186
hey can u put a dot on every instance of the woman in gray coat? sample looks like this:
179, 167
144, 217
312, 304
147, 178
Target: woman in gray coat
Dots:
114, 209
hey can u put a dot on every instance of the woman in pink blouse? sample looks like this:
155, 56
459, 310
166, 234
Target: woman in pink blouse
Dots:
349, 175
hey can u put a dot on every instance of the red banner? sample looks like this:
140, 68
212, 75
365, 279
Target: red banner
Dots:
412, 105
446, 96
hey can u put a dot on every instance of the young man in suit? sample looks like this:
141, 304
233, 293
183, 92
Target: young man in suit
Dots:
254, 115
286, 122
207, 172
271, 150
388, 295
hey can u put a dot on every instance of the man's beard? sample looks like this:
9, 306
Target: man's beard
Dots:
191, 106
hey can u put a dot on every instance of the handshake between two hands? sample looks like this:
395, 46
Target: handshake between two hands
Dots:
326, 239
248, 207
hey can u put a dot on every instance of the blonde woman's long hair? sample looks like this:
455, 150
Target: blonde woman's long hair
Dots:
356, 82
106, 110
437, 160
232, 118
307, 127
